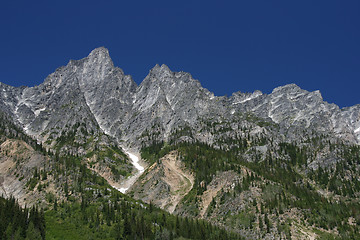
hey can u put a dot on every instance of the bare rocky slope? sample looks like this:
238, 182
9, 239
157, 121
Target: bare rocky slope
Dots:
96, 92
164, 183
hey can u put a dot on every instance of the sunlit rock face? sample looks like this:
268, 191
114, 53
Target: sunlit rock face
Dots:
95, 92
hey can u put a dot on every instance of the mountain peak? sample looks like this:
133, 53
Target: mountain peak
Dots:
100, 56
165, 67
294, 90
288, 87
99, 51
161, 72
162, 68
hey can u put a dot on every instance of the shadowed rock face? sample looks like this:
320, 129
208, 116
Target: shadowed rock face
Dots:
93, 91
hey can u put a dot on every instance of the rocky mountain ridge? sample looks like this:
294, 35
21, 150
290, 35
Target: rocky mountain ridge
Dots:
95, 91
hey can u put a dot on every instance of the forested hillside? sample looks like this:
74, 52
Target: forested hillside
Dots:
20, 223
79, 204
273, 187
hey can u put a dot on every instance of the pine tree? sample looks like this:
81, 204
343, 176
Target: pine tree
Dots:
32, 233
260, 223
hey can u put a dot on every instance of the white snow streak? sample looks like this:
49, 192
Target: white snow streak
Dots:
296, 96
135, 161
130, 181
252, 96
37, 112
244, 100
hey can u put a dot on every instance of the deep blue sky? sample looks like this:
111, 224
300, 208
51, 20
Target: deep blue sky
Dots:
227, 45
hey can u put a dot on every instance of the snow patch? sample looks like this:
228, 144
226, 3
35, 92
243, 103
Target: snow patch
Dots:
252, 96
357, 130
242, 101
130, 181
37, 112
135, 161
27, 130
22, 102
271, 116
101, 127
296, 96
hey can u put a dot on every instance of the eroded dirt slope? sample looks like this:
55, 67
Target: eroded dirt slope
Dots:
17, 163
164, 183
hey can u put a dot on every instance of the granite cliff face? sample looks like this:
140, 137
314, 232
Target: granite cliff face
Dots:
292, 106
93, 91
84, 90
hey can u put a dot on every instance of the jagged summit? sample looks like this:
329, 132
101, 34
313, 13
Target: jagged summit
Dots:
99, 56
124, 110
100, 50
292, 87
160, 72
161, 67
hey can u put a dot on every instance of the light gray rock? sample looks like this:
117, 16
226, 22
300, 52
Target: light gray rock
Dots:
93, 91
